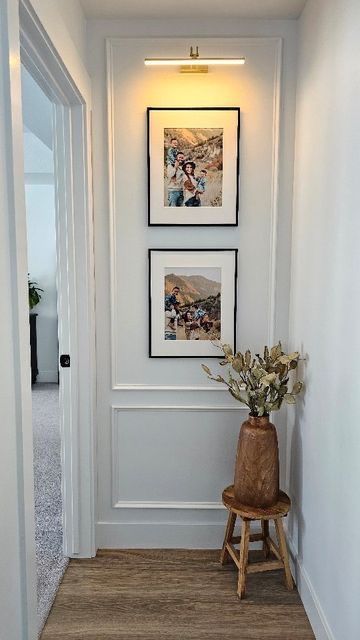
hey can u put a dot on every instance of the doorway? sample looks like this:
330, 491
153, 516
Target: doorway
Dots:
23, 37
75, 278
51, 562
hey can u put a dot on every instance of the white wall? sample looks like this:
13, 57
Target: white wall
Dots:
179, 516
324, 445
72, 14
64, 21
65, 25
40, 217
36, 109
41, 233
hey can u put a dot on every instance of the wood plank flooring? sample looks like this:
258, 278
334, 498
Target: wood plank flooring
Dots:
172, 595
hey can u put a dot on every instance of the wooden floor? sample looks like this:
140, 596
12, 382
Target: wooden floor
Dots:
172, 594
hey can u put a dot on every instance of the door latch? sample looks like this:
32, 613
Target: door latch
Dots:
65, 360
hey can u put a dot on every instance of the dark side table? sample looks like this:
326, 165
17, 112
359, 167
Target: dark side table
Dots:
33, 347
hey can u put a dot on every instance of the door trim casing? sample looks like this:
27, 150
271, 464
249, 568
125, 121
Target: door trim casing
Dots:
76, 282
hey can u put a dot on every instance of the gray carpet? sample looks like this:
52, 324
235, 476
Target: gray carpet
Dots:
48, 504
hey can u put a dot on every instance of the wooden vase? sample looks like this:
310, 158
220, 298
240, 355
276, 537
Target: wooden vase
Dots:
256, 482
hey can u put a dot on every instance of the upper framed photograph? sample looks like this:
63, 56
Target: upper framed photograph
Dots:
192, 301
193, 166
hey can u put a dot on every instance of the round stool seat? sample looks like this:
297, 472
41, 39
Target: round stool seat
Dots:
280, 509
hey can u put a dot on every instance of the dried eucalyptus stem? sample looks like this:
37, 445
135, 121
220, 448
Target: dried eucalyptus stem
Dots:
261, 382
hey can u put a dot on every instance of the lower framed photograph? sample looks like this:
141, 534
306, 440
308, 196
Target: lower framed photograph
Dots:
192, 302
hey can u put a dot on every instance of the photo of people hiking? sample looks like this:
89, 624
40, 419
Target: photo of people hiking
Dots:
192, 303
193, 167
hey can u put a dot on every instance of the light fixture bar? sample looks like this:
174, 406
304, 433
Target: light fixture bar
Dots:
192, 64
156, 62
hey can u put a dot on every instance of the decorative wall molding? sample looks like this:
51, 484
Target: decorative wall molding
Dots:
160, 535
158, 387
112, 199
111, 43
179, 407
274, 215
151, 504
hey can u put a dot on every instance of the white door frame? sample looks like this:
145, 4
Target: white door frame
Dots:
17, 540
17, 531
76, 312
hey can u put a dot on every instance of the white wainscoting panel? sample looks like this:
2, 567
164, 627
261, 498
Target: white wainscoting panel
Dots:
173, 457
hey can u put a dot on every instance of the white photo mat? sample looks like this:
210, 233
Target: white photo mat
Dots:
162, 260
226, 118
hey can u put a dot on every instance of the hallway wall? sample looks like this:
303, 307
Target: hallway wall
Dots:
41, 234
324, 436
40, 219
65, 25
158, 418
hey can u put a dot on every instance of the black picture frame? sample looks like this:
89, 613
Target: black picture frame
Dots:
235, 223
235, 251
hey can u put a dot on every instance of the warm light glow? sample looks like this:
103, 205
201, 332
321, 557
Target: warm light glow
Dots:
192, 61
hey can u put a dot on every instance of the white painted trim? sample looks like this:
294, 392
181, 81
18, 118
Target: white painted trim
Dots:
163, 535
274, 216
73, 181
17, 530
159, 387
180, 407
112, 223
67, 322
246, 40
255, 41
160, 535
310, 600
156, 504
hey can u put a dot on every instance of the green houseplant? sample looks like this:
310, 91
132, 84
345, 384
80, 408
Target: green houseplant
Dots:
34, 293
262, 383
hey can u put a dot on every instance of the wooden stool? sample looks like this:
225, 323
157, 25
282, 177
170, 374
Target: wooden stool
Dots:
247, 514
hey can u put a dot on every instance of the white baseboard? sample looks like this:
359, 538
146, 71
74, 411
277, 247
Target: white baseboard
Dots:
159, 535
162, 535
47, 376
313, 608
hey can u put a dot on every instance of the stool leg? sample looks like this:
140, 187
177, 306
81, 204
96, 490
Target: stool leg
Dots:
224, 556
284, 553
265, 533
244, 550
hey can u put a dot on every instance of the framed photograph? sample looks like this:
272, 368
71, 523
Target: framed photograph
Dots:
193, 166
192, 301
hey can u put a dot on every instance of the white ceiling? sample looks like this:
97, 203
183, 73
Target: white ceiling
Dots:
192, 8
